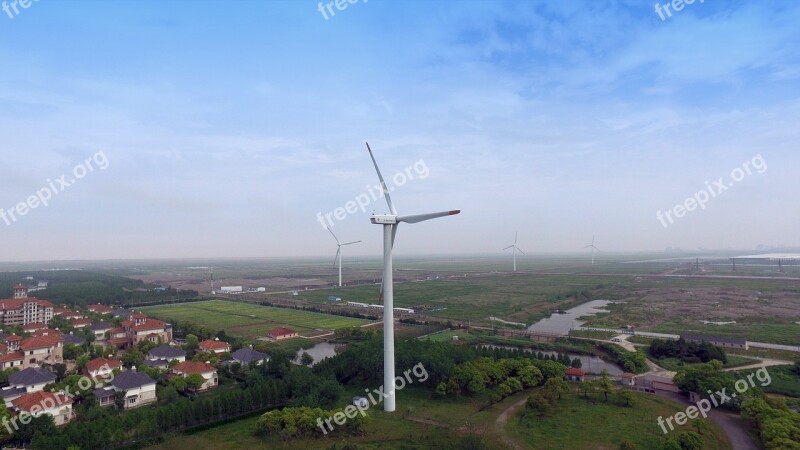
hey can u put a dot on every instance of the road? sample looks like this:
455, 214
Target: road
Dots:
790, 348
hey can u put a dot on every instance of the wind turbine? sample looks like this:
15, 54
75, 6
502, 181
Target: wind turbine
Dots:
390, 223
339, 253
593, 248
514, 249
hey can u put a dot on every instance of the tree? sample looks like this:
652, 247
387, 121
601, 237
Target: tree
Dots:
81, 361
604, 384
192, 343
132, 357
441, 389
576, 363
538, 404
627, 445
554, 387
306, 359
627, 397
195, 381
689, 440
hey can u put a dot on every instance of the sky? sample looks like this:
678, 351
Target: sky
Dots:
230, 129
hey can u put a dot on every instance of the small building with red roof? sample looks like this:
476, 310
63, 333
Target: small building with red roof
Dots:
102, 368
279, 334
32, 327
215, 346
574, 374
100, 309
80, 323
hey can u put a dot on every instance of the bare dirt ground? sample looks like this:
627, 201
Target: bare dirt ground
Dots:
656, 305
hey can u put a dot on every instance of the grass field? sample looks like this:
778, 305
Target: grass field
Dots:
579, 423
250, 320
423, 421
676, 364
519, 297
783, 380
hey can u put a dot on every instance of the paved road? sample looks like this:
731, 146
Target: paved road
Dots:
734, 426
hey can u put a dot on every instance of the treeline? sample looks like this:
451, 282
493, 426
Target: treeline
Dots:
634, 362
689, 352
303, 421
779, 427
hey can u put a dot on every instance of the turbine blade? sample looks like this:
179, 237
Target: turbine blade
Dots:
338, 252
520, 250
354, 242
510, 246
516, 233
423, 217
334, 236
383, 183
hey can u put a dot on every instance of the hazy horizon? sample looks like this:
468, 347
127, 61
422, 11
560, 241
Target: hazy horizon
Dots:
227, 132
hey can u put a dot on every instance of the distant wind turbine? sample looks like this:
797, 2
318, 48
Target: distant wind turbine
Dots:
339, 254
593, 248
514, 249
390, 223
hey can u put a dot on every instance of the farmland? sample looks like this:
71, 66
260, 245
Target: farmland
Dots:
250, 320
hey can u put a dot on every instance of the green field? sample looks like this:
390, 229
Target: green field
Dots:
250, 320
580, 423
519, 297
783, 380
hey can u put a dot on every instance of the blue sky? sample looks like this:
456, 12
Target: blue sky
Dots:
229, 125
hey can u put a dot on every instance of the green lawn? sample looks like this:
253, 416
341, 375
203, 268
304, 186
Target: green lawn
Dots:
783, 380
580, 423
676, 364
250, 320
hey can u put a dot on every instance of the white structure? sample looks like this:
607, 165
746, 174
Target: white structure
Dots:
405, 310
231, 289
357, 304
339, 253
592, 248
390, 222
514, 249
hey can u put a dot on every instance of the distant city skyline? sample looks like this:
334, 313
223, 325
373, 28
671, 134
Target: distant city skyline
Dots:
228, 132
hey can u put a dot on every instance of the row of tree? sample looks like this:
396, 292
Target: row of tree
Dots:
303, 421
690, 352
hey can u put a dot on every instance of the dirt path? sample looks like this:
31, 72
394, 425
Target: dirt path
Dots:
502, 420
765, 362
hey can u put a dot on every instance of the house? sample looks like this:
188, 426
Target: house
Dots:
208, 372
105, 396
100, 309
71, 339
59, 406
574, 374
123, 312
142, 328
628, 379
162, 355
102, 368
100, 329
9, 360
716, 340
80, 323
25, 310
25, 382
245, 356
653, 383
12, 341
33, 327
47, 332
118, 338
279, 334
139, 388
215, 346
41, 350
70, 315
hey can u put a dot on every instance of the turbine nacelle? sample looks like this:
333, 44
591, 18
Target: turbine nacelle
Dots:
384, 219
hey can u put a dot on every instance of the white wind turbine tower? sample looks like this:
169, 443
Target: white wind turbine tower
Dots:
339, 253
593, 248
514, 249
390, 223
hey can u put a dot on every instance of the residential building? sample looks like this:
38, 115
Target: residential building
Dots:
142, 328
57, 405
215, 346
42, 350
71, 339
162, 355
139, 388
100, 329
205, 369
80, 323
25, 310
25, 382
102, 368
34, 327
100, 309
245, 356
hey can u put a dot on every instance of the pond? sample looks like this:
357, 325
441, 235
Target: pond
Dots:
589, 364
562, 323
320, 351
